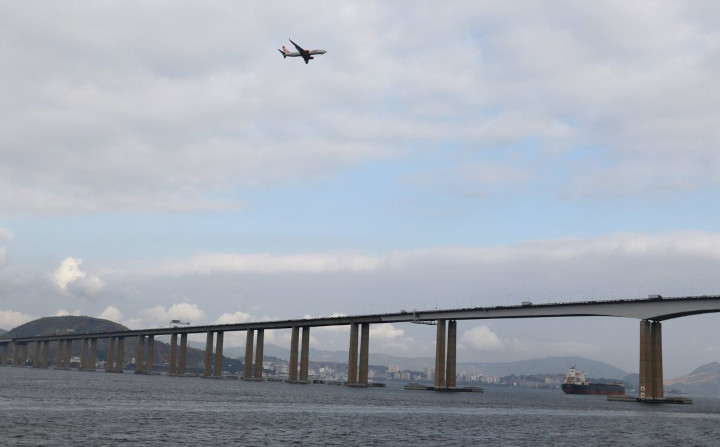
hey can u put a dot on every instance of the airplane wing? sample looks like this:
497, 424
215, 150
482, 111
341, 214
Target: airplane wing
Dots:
299, 48
304, 53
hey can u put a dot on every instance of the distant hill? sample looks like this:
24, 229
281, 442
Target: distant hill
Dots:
2, 331
62, 325
547, 365
703, 381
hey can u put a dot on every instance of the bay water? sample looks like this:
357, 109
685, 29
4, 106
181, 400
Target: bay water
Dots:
46, 407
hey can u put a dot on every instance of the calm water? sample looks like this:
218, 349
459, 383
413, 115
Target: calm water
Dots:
51, 408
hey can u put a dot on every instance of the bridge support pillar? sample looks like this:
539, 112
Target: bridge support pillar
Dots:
259, 347
150, 354
440, 355
293, 366
115, 363
364, 354
45, 353
173, 354
218, 353
140, 356
110, 365
83, 354
446, 354
249, 341
23, 354
58, 355
36, 356
145, 354
93, 354
353, 354
451, 367
120, 362
212, 363
651, 367
3, 354
183, 354
207, 363
68, 354
305, 354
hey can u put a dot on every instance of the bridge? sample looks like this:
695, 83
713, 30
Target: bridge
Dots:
651, 312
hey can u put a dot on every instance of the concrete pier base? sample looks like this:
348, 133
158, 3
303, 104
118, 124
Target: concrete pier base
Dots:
465, 389
664, 400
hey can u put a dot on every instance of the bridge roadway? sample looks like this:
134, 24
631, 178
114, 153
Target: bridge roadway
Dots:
650, 311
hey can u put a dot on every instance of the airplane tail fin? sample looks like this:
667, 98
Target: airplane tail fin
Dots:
282, 52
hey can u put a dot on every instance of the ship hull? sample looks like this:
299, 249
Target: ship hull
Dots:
603, 389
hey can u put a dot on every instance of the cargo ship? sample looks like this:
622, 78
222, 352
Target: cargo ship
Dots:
576, 383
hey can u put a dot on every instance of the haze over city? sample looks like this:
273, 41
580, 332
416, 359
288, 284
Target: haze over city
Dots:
161, 160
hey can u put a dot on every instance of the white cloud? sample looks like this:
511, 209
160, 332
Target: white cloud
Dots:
159, 316
111, 313
387, 336
68, 272
481, 338
385, 331
136, 323
68, 278
65, 313
525, 77
237, 317
10, 319
6, 234
674, 264
267, 263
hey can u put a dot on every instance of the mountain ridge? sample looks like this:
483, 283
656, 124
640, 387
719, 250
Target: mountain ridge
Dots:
544, 365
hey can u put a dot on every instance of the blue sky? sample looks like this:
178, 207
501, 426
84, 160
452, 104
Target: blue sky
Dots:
161, 160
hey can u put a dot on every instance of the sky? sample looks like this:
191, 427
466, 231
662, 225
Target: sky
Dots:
160, 160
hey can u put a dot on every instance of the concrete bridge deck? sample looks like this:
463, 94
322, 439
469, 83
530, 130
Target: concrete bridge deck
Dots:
655, 309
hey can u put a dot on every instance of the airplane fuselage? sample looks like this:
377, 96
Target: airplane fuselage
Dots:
310, 52
303, 53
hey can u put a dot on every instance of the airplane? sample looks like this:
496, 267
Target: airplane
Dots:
305, 54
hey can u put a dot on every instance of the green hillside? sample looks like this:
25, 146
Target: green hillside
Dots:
64, 325
703, 381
